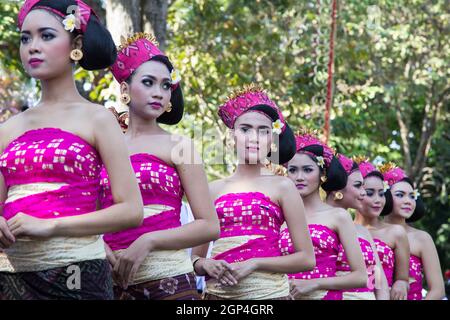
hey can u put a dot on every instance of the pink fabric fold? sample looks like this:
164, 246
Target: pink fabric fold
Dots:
256, 248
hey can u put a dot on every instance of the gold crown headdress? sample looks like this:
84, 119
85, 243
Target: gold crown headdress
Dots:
125, 42
252, 87
360, 159
386, 167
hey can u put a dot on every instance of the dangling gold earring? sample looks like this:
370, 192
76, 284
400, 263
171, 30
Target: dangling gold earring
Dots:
125, 98
338, 196
323, 179
76, 54
169, 108
273, 147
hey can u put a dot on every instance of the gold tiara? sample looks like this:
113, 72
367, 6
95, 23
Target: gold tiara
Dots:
360, 159
125, 42
386, 167
252, 87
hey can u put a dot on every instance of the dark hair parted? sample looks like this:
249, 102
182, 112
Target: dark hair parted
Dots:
286, 144
99, 50
176, 98
418, 213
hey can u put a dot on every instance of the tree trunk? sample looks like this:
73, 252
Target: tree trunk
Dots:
154, 19
97, 7
123, 17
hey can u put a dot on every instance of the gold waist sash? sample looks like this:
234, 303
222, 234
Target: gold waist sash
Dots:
27, 255
256, 286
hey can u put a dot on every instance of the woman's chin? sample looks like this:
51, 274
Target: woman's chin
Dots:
303, 193
375, 214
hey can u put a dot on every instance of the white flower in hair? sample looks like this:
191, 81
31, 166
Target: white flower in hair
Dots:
69, 22
416, 194
385, 186
320, 161
175, 76
277, 126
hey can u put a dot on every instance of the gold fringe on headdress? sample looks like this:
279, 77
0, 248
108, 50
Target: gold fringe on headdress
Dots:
125, 42
386, 167
276, 169
360, 159
314, 133
252, 87
308, 132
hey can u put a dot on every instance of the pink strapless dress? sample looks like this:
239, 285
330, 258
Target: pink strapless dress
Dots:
387, 259
159, 184
51, 155
369, 260
250, 224
251, 213
326, 249
415, 274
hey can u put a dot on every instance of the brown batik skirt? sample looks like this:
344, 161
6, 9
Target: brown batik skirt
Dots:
55, 284
182, 287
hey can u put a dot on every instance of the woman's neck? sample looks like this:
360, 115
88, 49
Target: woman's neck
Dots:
394, 219
59, 90
248, 170
138, 126
313, 203
334, 203
366, 221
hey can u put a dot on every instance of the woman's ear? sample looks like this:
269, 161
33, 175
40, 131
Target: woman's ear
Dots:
124, 88
77, 42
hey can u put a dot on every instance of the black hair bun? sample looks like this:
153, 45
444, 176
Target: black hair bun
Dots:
174, 116
336, 176
99, 50
419, 212
389, 203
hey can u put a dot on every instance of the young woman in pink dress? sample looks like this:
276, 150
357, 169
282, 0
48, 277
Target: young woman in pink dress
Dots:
151, 262
352, 196
315, 167
252, 204
50, 161
391, 241
406, 206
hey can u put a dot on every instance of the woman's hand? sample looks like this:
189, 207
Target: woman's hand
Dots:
399, 290
6, 237
240, 270
130, 259
25, 225
112, 262
219, 270
300, 288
